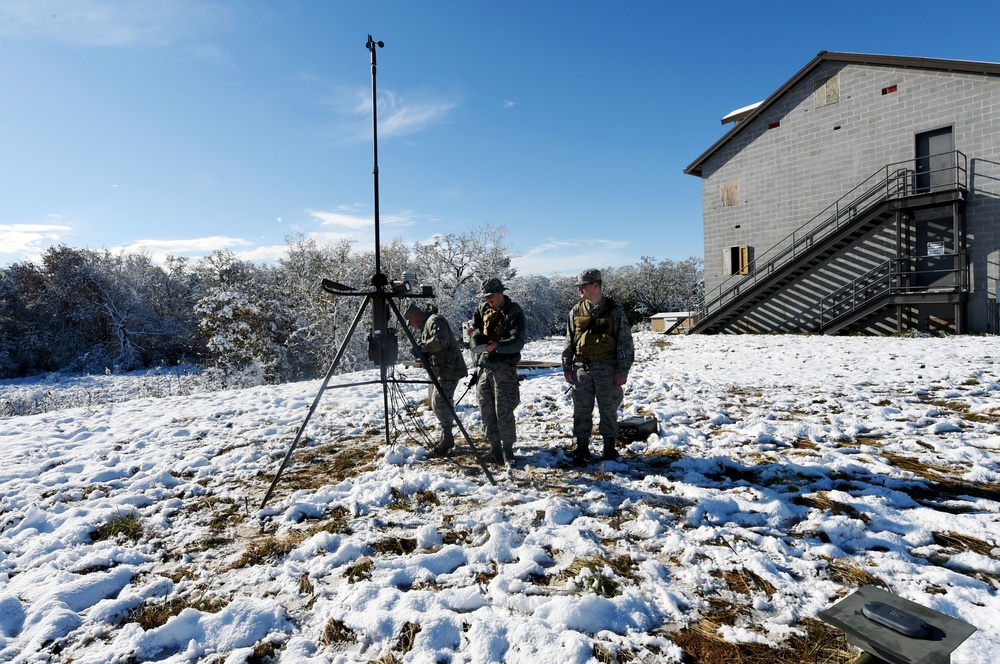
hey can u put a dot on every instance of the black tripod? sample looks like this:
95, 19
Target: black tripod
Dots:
383, 345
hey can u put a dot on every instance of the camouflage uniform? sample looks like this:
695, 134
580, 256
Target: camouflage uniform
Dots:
444, 356
497, 390
598, 349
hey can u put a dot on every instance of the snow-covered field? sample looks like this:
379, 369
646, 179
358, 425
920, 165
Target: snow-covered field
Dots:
787, 470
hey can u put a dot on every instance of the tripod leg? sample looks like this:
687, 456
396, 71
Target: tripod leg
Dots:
312, 408
437, 386
385, 401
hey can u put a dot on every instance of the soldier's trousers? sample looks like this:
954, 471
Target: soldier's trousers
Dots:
596, 381
444, 407
499, 394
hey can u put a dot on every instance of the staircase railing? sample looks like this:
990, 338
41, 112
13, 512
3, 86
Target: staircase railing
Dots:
880, 281
895, 276
890, 182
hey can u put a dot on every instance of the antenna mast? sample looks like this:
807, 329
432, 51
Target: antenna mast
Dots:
372, 44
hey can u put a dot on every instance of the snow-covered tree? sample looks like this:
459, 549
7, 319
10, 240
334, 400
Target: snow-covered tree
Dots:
546, 302
90, 311
319, 319
243, 320
650, 286
21, 339
137, 332
456, 264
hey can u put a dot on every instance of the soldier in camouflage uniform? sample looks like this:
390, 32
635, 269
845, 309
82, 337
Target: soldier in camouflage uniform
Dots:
444, 355
596, 360
498, 336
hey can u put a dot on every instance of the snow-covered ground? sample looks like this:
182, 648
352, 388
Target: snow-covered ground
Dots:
787, 470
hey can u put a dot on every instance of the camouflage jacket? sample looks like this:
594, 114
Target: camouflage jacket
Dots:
510, 338
442, 348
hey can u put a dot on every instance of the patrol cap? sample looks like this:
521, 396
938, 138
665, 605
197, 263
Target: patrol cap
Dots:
412, 309
491, 287
588, 277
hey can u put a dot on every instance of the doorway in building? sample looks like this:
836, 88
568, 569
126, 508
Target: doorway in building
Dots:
935, 152
934, 262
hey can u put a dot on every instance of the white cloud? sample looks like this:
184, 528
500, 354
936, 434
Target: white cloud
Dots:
556, 256
507, 103
397, 116
265, 254
29, 238
404, 218
109, 22
351, 222
158, 250
342, 219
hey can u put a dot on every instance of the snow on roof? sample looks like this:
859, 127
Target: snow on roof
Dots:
672, 314
740, 113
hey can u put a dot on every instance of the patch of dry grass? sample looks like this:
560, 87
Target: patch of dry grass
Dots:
327, 464
804, 443
387, 658
407, 637
819, 643
917, 467
360, 571
399, 546
121, 527
484, 578
602, 573
337, 632
612, 654
962, 409
747, 582
266, 550
426, 500
959, 542
336, 521
155, 612
848, 573
821, 500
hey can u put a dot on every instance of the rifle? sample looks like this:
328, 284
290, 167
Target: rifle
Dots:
473, 379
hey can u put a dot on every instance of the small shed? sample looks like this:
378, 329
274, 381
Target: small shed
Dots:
668, 321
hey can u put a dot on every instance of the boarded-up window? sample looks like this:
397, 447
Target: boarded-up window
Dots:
828, 91
730, 193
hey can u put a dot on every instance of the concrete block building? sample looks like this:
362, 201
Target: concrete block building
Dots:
863, 196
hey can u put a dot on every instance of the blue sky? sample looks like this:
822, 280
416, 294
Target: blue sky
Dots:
185, 126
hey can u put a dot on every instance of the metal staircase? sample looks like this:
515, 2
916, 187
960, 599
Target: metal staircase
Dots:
895, 282
896, 187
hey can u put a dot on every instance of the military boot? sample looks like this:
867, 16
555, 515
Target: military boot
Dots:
610, 453
581, 455
508, 454
445, 446
496, 453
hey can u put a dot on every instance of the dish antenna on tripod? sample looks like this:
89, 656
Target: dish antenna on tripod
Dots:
383, 345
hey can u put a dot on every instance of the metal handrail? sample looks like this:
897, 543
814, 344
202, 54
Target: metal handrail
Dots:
891, 182
891, 277
848, 298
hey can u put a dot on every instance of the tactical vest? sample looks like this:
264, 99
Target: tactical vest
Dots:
493, 319
594, 335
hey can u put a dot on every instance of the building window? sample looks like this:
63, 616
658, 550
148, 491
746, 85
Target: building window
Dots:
738, 260
828, 92
730, 194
